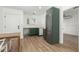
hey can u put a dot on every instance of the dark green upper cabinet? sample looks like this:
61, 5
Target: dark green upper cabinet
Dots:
52, 25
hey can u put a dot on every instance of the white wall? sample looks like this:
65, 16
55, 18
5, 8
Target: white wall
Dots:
1, 21
78, 29
40, 20
71, 24
61, 25
8, 11
43, 23
43, 20
67, 7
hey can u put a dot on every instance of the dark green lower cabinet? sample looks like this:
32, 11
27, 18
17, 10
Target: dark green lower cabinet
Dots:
33, 31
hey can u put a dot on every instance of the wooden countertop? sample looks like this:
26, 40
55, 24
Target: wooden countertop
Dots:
9, 35
33, 26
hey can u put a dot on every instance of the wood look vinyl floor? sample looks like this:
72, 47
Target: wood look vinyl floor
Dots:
38, 44
71, 41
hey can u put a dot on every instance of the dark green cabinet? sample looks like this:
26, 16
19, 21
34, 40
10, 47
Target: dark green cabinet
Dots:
33, 31
51, 33
30, 32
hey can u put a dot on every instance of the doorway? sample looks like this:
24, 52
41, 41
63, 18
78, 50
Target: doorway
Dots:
70, 23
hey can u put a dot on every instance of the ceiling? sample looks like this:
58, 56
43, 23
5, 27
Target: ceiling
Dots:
31, 9
36, 9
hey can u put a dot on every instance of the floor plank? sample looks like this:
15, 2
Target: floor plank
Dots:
38, 44
71, 41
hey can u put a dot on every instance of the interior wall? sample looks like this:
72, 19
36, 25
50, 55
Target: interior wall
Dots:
40, 20
61, 26
71, 24
3, 12
1, 21
67, 7
78, 30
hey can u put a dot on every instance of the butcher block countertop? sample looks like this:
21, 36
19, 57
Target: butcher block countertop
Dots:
9, 35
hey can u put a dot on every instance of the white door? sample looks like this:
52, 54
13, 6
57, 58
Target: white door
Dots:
12, 24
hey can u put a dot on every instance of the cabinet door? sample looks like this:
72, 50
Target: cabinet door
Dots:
12, 23
34, 31
55, 23
52, 25
49, 22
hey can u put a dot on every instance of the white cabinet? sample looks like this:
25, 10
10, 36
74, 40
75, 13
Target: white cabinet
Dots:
40, 31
